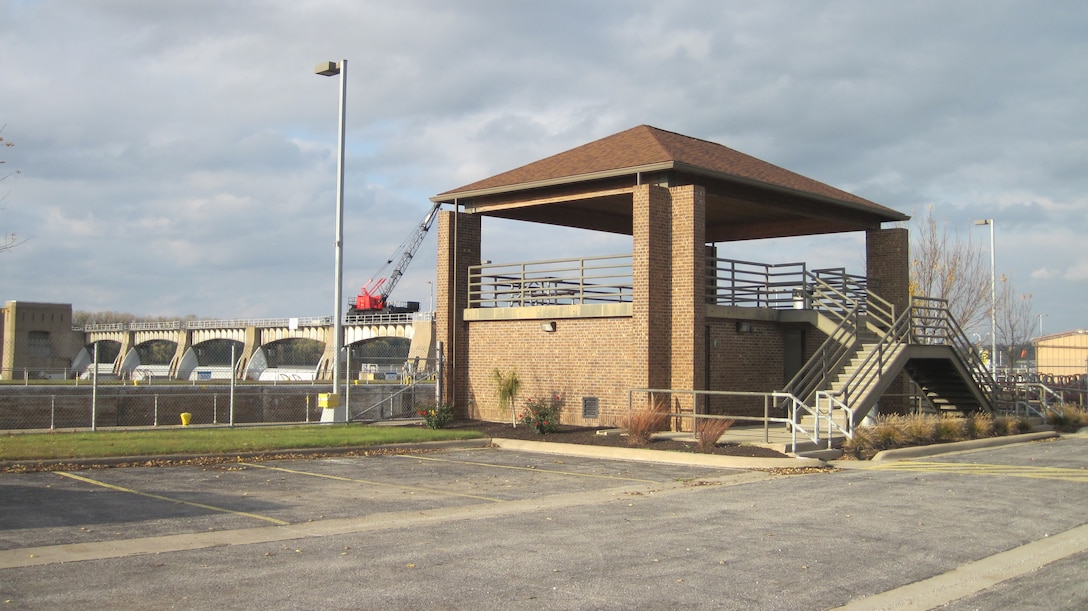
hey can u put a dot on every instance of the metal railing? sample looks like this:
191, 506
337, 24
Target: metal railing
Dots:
780, 286
235, 323
585, 280
795, 410
932, 323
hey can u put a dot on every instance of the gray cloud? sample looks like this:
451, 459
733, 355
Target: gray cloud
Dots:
179, 157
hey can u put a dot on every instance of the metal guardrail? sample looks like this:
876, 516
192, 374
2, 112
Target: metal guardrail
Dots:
795, 411
234, 323
580, 281
779, 286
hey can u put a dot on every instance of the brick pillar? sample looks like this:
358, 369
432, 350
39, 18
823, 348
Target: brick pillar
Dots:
652, 266
887, 259
688, 290
669, 309
458, 248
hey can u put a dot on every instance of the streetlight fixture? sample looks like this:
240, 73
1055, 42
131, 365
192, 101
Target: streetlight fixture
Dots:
334, 411
993, 299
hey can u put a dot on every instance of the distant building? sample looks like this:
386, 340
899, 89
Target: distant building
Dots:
37, 340
1064, 354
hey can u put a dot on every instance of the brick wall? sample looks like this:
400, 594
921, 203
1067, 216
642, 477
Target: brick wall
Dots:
583, 357
744, 361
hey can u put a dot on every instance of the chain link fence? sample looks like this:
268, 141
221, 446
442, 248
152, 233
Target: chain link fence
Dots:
86, 406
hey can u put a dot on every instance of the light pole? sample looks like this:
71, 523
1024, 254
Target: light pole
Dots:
1041, 317
993, 299
335, 412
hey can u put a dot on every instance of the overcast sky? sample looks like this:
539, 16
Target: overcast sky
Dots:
179, 157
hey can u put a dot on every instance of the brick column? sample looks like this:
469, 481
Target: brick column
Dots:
887, 261
458, 248
669, 309
652, 266
688, 288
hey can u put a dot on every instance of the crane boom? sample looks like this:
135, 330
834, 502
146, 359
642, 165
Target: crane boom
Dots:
374, 294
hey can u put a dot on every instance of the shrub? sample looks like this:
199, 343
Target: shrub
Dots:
860, 444
437, 417
888, 433
710, 430
951, 428
543, 414
1004, 425
1071, 419
642, 424
920, 429
980, 425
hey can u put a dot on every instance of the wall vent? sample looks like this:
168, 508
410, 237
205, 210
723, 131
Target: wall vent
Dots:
590, 407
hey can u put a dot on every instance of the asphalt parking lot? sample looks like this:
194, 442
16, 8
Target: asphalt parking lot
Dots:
491, 528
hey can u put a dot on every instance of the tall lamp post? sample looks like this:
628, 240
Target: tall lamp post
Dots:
993, 299
334, 412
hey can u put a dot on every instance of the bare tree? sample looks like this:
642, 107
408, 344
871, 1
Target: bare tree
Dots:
947, 266
7, 241
1014, 322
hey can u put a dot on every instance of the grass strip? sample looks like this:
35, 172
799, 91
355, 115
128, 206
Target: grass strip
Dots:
113, 444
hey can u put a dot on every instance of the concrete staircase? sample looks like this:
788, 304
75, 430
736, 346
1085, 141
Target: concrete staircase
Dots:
870, 346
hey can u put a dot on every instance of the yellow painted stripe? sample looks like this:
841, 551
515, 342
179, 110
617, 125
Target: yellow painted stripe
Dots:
1052, 473
556, 471
373, 483
166, 498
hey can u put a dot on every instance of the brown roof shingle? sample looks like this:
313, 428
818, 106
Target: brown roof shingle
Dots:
645, 145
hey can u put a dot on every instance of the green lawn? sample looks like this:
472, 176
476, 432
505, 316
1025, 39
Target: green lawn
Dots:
112, 443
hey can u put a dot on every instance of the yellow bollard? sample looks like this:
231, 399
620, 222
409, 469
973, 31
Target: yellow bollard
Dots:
185, 418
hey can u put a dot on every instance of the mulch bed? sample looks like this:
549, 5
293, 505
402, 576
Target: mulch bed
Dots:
589, 436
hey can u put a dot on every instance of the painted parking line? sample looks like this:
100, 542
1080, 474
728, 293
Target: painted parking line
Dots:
534, 469
340, 478
1052, 473
172, 500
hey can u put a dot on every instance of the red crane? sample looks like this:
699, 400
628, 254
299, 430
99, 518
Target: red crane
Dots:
373, 296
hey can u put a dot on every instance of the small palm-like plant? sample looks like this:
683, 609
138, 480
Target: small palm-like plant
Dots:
507, 385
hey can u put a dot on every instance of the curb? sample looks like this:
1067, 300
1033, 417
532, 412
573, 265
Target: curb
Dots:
481, 442
656, 456
959, 446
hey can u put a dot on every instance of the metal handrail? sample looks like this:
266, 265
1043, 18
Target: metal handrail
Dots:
794, 407
579, 281
233, 323
1044, 392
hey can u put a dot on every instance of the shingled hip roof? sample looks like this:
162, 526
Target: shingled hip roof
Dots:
646, 148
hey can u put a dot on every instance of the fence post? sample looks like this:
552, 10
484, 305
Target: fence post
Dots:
94, 388
232, 349
52, 412
156, 414
438, 387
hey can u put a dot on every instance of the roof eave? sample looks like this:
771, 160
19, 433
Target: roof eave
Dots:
452, 196
870, 208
